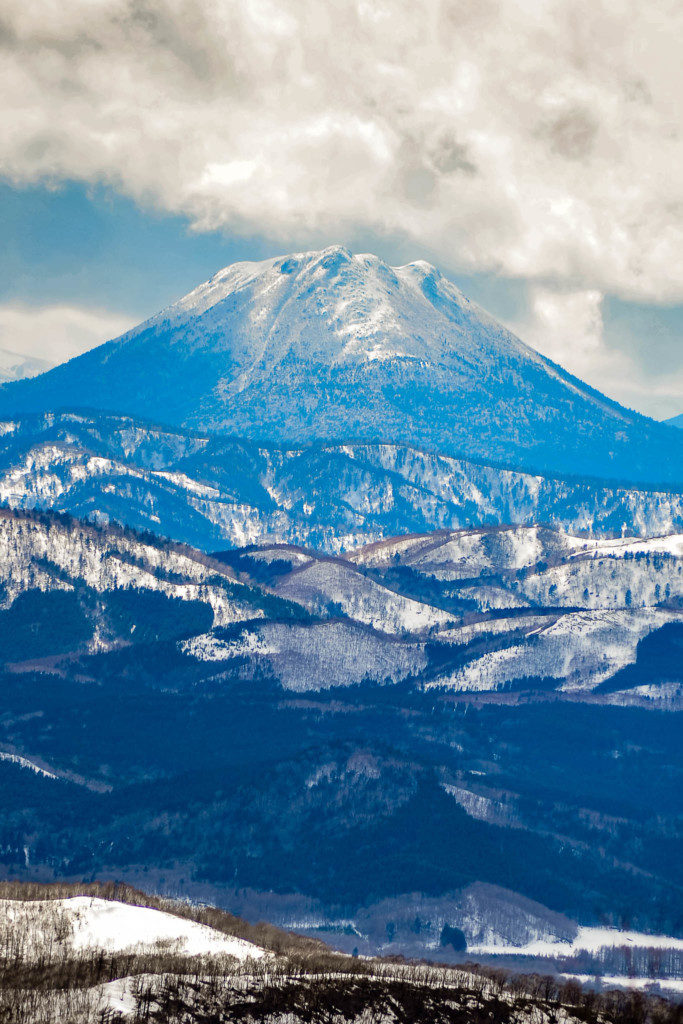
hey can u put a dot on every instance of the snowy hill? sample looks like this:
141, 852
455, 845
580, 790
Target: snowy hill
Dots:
69, 589
214, 493
558, 607
327, 346
467, 610
81, 959
82, 923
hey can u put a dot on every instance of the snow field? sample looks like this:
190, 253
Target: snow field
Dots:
97, 924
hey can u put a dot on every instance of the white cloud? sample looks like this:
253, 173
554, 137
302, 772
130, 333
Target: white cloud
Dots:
567, 326
56, 333
541, 139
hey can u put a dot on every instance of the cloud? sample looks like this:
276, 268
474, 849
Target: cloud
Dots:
56, 333
567, 326
539, 140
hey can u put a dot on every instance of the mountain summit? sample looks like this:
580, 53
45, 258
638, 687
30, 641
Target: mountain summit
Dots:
330, 346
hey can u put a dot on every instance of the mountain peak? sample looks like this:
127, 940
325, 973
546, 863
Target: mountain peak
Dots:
328, 345
330, 307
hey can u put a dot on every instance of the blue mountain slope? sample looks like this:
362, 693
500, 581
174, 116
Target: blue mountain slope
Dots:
326, 346
675, 421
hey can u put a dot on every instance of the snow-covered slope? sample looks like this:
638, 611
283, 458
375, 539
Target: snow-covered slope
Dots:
466, 554
328, 346
579, 650
543, 604
87, 923
539, 566
48, 555
323, 585
316, 656
467, 610
216, 493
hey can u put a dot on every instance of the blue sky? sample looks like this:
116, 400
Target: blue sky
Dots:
531, 152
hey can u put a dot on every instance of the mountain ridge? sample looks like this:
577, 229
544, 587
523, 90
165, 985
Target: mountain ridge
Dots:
328, 346
217, 492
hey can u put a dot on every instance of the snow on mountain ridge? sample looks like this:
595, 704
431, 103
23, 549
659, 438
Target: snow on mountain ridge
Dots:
51, 556
362, 301
14, 366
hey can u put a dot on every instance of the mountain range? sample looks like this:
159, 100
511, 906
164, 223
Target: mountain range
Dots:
345, 745
215, 492
338, 348
324, 597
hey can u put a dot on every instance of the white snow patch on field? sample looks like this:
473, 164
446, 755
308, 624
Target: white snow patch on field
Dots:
622, 981
588, 940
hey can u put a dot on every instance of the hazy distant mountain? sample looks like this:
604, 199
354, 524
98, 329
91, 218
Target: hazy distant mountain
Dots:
676, 421
14, 366
326, 346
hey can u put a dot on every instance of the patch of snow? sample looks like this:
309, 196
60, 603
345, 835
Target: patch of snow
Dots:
673, 985
118, 927
326, 584
316, 656
24, 762
588, 940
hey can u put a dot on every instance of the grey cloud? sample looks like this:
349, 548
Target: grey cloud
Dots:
56, 333
540, 140
452, 158
572, 134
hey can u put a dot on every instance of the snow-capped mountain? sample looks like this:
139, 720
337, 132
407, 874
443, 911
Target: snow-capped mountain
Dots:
328, 346
14, 366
